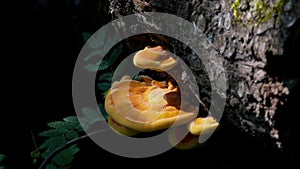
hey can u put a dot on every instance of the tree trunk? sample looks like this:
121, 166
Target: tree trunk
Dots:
257, 94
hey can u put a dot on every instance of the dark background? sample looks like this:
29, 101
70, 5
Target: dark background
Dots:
42, 39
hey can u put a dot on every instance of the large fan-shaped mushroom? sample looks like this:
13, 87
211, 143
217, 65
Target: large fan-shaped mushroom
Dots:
147, 105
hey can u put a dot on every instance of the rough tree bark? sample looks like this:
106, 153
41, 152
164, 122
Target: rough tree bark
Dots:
255, 96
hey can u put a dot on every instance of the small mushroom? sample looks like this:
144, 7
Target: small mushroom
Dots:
143, 105
203, 125
155, 58
188, 142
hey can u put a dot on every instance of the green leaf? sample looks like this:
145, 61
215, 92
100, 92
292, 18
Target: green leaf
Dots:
104, 86
53, 132
115, 54
66, 156
96, 41
119, 72
51, 166
85, 126
35, 155
34, 161
49, 142
137, 77
71, 119
63, 125
55, 144
91, 116
93, 53
90, 113
100, 65
106, 77
72, 134
74, 149
86, 36
2, 157
104, 94
104, 64
62, 161
109, 44
92, 67
57, 138
79, 128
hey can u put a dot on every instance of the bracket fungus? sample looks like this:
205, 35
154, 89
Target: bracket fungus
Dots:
200, 126
203, 125
148, 105
188, 142
155, 58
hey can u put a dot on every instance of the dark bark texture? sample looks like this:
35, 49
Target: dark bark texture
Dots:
252, 53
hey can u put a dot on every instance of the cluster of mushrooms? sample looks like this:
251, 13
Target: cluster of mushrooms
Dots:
148, 105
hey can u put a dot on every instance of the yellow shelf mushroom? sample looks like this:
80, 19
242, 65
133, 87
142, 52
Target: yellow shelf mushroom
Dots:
188, 142
203, 125
144, 105
155, 58
148, 105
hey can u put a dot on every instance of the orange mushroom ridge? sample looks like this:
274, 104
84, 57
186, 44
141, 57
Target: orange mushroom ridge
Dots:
155, 58
144, 105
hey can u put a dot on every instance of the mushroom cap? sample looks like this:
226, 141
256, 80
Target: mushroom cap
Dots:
203, 125
188, 142
155, 58
144, 105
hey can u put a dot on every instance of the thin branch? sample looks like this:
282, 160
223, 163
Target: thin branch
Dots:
33, 139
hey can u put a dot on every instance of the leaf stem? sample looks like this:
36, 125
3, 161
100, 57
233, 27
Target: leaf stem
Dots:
33, 140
